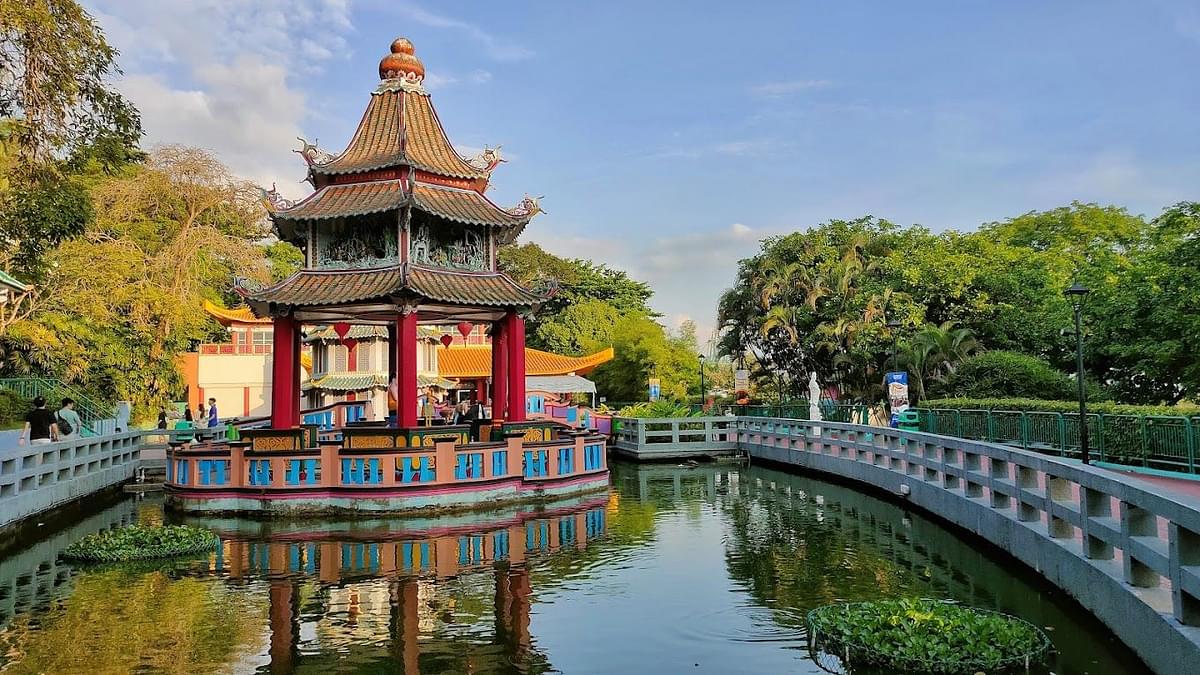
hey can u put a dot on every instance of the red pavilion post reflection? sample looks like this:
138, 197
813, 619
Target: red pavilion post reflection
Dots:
418, 568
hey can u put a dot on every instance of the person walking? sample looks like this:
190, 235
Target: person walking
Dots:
67, 420
39, 424
213, 419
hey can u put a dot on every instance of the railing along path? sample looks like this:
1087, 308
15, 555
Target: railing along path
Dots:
1127, 550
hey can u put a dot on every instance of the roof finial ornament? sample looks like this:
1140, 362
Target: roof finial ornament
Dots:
311, 153
529, 206
488, 159
273, 201
401, 63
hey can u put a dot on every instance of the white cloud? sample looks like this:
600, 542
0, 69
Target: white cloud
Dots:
737, 148
495, 47
223, 74
787, 87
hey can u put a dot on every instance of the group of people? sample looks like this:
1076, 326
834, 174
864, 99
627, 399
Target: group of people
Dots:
431, 404
201, 418
43, 426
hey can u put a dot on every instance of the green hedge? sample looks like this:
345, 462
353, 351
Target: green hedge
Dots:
1012, 375
1039, 405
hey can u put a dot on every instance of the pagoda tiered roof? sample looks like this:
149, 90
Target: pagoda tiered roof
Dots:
338, 287
360, 199
401, 128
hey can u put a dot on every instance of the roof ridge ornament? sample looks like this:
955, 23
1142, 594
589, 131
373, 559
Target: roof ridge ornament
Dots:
273, 201
529, 207
311, 153
487, 159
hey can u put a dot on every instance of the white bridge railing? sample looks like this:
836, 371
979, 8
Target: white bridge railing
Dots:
1127, 550
35, 478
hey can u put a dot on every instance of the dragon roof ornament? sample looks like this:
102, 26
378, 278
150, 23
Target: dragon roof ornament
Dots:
311, 153
273, 201
487, 159
529, 207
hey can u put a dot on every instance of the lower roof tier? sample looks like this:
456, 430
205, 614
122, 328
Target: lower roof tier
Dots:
330, 288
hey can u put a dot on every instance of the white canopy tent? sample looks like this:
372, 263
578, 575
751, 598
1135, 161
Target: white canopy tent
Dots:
560, 384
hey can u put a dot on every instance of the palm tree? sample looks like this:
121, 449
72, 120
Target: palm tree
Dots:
935, 351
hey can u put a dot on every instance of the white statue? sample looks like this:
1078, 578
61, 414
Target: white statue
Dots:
814, 398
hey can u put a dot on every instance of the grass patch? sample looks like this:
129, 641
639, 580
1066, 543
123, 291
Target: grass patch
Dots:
925, 636
139, 542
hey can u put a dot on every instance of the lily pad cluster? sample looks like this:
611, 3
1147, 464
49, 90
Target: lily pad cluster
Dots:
925, 636
140, 542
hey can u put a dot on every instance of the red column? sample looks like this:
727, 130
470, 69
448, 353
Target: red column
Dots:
283, 361
515, 330
405, 347
296, 375
481, 389
499, 371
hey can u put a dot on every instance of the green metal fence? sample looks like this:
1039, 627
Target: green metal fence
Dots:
1149, 441
798, 410
91, 412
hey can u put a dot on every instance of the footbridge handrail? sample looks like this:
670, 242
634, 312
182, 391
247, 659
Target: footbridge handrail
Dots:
1126, 549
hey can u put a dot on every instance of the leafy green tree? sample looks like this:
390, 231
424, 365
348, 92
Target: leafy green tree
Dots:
644, 349
1001, 374
56, 90
574, 281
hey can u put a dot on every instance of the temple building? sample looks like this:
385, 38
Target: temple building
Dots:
398, 239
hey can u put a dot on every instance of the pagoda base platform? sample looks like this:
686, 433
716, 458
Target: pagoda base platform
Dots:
380, 501
378, 470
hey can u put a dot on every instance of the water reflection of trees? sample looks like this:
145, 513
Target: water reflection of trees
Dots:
797, 543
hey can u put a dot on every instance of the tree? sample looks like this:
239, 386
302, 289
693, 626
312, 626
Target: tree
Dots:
56, 64
644, 349
128, 293
934, 352
574, 281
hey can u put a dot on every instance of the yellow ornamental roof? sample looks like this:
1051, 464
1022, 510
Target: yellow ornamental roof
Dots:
476, 361
225, 316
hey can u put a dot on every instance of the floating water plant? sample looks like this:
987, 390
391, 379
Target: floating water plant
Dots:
139, 542
925, 636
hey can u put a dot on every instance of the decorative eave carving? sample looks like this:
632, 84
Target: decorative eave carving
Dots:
486, 160
273, 201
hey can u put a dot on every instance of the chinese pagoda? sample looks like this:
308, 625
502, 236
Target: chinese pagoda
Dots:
398, 238
399, 233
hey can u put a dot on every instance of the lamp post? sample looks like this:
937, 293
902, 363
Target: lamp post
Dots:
1076, 295
894, 326
701, 381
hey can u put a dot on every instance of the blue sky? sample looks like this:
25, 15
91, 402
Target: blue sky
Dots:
669, 137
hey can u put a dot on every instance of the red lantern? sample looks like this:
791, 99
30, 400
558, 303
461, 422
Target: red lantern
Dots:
341, 328
465, 328
446, 340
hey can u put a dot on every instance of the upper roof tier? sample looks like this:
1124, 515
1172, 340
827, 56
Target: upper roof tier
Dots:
401, 128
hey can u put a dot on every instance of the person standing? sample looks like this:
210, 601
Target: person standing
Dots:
68, 422
213, 419
39, 424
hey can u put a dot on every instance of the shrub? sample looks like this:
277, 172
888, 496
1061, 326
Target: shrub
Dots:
13, 408
1041, 405
138, 542
658, 409
1010, 375
927, 636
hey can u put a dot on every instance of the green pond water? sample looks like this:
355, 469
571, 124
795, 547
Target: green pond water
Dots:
676, 570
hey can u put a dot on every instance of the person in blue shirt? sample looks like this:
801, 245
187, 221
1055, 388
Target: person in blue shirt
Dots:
213, 419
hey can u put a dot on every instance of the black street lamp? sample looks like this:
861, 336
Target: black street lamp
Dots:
1076, 294
894, 326
701, 380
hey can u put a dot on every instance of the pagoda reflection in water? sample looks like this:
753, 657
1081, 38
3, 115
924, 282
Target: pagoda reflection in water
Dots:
409, 595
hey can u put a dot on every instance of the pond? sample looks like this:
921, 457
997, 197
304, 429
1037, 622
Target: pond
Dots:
708, 569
